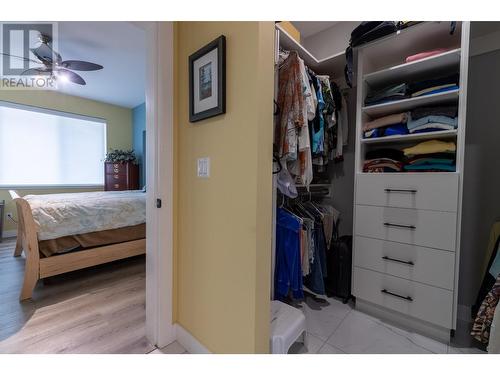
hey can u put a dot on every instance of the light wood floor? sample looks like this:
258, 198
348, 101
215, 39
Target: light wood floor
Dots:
97, 310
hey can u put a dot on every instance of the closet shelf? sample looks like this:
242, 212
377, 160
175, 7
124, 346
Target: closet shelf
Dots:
332, 65
400, 73
411, 137
411, 103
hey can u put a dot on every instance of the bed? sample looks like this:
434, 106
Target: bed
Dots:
61, 233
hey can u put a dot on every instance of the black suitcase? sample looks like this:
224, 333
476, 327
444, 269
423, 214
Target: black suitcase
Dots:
339, 266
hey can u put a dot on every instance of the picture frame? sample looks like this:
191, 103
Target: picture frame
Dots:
207, 81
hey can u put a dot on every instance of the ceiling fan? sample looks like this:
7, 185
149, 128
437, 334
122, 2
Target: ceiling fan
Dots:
53, 64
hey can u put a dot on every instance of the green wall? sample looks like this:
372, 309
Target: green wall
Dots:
118, 119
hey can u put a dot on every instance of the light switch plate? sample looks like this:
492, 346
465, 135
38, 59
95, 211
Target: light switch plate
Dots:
204, 167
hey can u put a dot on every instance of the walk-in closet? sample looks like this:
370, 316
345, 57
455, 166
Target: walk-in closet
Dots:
370, 203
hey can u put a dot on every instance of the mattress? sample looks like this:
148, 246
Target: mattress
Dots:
61, 215
84, 241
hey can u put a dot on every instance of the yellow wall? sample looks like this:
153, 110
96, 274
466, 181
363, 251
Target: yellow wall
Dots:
118, 119
223, 223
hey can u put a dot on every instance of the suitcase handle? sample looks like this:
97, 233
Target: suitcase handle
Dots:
408, 262
400, 226
410, 191
408, 298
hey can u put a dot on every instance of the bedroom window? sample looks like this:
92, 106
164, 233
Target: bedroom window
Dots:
39, 147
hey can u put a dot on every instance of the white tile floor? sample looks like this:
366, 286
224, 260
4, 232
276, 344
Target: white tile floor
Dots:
335, 328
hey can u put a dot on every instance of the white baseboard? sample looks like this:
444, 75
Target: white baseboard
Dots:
10, 233
189, 342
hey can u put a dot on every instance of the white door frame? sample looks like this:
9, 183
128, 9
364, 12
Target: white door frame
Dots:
160, 330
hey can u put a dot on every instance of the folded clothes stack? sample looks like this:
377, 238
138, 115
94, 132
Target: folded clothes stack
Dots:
411, 90
425, 54
431, 156
429, 119
387, 125
419, 120
383, 160
434, 86
388, 94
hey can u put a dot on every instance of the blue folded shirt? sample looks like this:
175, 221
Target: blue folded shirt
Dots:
432, 119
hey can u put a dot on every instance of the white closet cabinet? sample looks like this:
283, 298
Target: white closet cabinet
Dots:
407, 225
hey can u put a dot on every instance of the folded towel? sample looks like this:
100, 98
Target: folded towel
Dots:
425, 54
432, 160
386, 120
430, 147
389, 153
448, 156
430, 167
431, 127
452, 121
382, 165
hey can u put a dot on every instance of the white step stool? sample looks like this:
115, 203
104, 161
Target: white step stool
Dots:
288, 324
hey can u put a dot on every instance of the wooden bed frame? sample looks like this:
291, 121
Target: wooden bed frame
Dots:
38, 268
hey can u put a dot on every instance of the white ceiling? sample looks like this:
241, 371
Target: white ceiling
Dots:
118, 46
308, 28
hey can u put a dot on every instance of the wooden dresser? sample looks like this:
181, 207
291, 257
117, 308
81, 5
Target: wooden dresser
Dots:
121, 176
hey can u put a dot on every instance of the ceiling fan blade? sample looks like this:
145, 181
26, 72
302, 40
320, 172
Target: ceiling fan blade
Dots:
80, 65
70, 76
46, 54
20, 57
37, 72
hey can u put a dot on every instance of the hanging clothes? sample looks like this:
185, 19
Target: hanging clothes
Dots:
482, 323
296, 104
303, 235
288, 274
292, 107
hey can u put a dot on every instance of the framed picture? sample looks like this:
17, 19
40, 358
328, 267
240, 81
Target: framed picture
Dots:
207, 81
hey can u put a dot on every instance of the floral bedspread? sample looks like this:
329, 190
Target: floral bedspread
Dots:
59, 215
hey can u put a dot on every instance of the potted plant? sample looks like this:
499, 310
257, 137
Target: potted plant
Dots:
121, 156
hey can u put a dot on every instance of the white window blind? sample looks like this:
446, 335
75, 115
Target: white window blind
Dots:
40, 147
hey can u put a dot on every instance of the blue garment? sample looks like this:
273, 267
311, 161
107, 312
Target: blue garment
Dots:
432, 119
495, 266
318, 132
396, 129
319, 95
318, 137
315, 281
430, 166
288, 270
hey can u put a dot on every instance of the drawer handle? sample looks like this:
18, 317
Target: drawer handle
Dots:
412, 227
409, 262
117, 186
410, 191
408, 298
116, 177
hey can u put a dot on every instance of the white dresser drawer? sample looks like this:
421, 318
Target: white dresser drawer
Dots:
427, 191
424, 302
416, 263
419, 227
